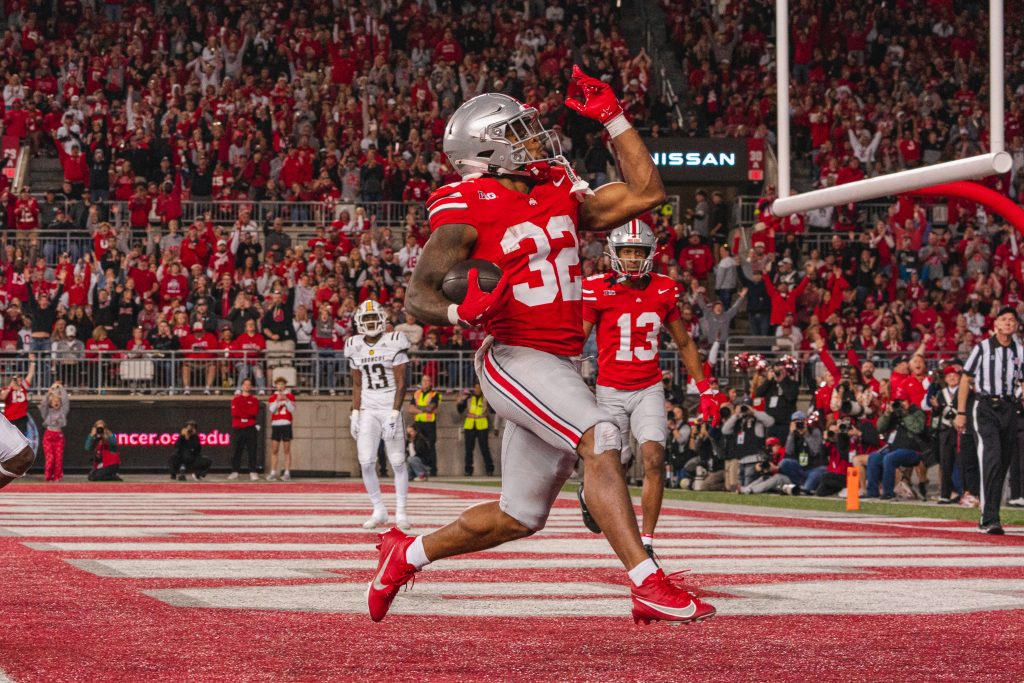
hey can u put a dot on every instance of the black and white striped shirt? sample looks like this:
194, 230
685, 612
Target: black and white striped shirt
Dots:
997, 370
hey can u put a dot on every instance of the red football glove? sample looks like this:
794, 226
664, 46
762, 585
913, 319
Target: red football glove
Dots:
479, 306
591, 97
709, 405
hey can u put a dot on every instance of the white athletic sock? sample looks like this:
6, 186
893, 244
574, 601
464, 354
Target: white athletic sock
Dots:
640, 572
416, 555
372, 484
401, 487
647, 539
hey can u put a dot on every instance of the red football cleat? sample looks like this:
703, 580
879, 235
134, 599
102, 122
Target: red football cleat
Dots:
659, 598
393, 572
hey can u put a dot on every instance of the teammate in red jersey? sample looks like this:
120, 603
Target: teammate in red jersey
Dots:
519, 205
16, 454
629, 310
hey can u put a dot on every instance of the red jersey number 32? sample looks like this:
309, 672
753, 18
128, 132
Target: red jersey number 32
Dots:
558, 271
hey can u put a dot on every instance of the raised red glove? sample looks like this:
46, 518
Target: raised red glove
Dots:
479, 306
592, 98
710, 408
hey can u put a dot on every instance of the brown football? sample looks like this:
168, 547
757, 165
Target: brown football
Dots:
456, 281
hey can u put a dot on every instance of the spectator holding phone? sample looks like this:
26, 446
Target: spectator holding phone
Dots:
106, 462
282, 411
54, 409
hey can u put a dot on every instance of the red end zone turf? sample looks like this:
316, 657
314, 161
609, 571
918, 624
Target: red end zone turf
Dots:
240, 582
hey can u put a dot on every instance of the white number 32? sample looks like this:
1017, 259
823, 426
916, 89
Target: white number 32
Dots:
554, 272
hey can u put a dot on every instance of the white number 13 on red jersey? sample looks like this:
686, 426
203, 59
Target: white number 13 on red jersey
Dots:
647, 349
554, 272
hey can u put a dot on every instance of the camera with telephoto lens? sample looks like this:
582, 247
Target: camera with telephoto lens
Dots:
99, 431
800, 424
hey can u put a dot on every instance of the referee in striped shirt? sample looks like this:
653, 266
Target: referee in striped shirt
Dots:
996, 367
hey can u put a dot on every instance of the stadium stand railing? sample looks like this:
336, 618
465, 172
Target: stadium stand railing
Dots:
325, 372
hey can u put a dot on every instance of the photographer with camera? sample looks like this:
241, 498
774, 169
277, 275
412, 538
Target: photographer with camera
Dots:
905, 426
780, 393
846, 440
188, 455
704, 468
766, 473
805, 459
106, 461
745, 432
676, 448
957, 452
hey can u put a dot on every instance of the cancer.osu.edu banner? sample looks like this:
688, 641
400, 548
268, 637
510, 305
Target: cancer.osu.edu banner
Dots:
147, 432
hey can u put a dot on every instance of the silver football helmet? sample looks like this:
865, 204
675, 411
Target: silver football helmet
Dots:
635, 233
370, 319
498, 135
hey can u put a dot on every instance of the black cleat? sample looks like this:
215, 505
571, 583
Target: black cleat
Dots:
588, 521
991, 529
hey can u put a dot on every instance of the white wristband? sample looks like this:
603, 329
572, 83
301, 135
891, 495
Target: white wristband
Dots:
618, 126
453, 314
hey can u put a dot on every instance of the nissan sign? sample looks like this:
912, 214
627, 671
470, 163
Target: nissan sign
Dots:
700, 160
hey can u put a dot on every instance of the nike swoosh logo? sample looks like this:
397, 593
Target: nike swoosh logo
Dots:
377, 585
560, 181
671, 611
662, 291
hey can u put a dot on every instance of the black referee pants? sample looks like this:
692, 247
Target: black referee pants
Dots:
996, 425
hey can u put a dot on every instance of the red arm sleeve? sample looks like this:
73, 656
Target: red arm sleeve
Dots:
830, 365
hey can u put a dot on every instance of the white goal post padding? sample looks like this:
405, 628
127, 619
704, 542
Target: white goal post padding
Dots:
997, 161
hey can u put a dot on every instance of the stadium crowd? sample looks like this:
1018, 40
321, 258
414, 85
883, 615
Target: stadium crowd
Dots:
240, 106
874, 88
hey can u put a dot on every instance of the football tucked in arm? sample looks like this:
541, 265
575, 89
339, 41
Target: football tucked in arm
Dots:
456, 282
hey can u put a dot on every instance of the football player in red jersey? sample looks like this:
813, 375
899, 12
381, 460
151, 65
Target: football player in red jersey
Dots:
629, 310
519, 205
16, 454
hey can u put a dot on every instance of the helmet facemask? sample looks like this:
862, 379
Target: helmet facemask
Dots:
370, 323
631, 266
530, 143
